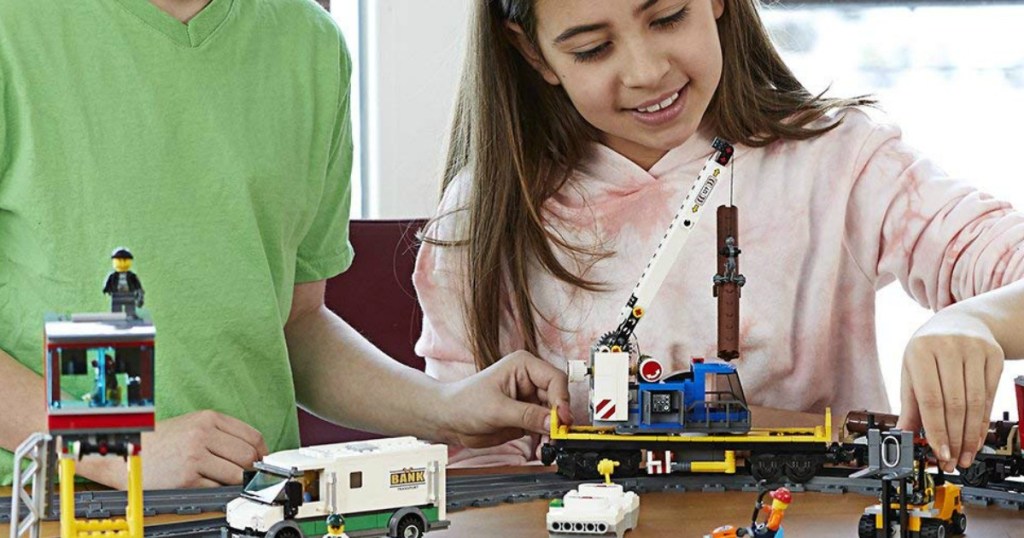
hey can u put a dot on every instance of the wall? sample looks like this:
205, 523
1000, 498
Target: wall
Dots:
415, 52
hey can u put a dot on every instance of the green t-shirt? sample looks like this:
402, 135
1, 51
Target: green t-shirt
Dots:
219, 152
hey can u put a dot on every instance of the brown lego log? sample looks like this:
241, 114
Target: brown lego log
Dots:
728, 293
857, 425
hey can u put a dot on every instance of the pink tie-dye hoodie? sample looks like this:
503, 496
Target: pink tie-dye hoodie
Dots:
823, 224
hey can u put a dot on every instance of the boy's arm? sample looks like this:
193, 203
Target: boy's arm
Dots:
340, 376
23, 401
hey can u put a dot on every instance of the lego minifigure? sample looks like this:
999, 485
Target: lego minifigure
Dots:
106, 390
731, 252
122, 285
771, 528
336, 525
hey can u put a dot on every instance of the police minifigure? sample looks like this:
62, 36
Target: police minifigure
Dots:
336, 525
122, 285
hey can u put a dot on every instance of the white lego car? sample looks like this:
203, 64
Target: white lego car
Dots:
593, 509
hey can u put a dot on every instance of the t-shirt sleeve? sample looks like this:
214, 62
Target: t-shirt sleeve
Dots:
325, 251
940, 237
4, 122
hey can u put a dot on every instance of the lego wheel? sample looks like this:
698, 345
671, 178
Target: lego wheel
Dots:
976, 475
800, 468
767, 467
548, 453
409, 526
866, 527
932, 528
284, 531
958, 524
630, 463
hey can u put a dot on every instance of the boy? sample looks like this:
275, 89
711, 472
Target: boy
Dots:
212, 136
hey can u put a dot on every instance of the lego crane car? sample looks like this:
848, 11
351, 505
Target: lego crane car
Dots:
693, 421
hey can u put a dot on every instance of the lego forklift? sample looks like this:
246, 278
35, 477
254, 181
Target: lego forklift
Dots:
914, 504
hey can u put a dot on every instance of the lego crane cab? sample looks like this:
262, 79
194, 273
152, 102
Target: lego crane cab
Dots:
707, 398
99, 395
99, 379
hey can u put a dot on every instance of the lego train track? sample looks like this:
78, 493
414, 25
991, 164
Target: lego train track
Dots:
202, 528
491, 490
106, 504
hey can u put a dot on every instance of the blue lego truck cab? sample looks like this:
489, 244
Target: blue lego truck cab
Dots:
707, 399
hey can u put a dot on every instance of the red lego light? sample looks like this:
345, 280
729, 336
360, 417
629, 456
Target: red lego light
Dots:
696, 360
651, 370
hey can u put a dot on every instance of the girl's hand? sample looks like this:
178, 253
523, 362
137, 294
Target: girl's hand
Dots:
510, 399
951, 369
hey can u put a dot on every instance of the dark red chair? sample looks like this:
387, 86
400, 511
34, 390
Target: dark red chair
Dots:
377, 298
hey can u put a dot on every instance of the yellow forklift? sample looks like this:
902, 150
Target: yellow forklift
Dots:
919, 505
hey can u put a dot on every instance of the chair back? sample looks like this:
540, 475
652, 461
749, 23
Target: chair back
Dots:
376, 297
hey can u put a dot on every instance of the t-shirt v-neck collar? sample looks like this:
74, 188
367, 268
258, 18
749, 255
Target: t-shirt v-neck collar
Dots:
191, 34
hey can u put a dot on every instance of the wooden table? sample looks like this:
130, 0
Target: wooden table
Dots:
692, 514
682, 515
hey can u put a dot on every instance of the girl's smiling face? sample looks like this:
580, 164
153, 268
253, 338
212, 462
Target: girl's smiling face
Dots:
641, 72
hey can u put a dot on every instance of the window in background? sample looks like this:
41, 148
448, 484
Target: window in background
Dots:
346, 14
952, 77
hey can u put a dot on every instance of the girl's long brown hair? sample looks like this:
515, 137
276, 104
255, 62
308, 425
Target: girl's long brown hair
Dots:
519, 139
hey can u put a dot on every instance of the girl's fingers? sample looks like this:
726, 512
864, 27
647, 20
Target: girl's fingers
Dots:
924, 376
974, 419
910, 416
951, 380
993, 372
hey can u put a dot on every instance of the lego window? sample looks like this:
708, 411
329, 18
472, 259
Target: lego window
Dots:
95, 377
355, 480
266, 487
951, 74
311, 486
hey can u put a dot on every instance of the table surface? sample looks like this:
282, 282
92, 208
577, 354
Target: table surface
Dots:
689, 514
682, 515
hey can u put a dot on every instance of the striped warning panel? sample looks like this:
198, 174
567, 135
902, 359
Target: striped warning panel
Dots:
605, 409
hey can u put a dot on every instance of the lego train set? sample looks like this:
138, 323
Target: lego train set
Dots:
642, 422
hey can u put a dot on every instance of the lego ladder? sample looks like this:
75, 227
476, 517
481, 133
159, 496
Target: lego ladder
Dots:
36, 450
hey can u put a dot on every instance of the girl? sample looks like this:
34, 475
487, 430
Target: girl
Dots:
578, 129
